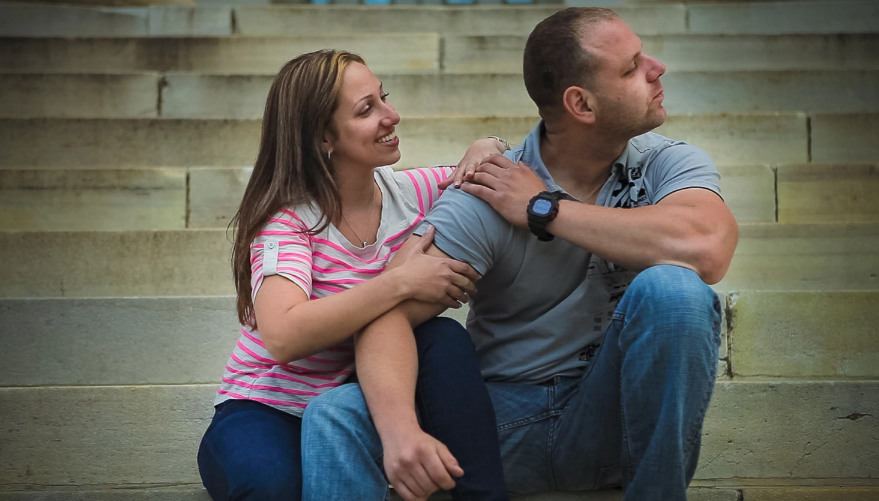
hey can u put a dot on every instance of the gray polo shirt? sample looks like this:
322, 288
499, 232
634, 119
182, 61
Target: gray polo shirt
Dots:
540, 305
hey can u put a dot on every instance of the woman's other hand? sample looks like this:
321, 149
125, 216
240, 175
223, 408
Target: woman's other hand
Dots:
480, 150
432, 279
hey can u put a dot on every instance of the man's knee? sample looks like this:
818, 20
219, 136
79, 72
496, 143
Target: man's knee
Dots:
342, 405
676, 304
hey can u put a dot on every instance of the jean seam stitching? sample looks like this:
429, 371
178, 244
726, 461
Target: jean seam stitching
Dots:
549, 440
524, 421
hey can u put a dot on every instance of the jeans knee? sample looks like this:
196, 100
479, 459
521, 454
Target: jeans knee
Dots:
672, 288
676, 303
341, 405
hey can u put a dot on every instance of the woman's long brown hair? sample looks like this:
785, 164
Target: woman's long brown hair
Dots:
290, 167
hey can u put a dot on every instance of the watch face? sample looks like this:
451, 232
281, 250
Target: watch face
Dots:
541, 207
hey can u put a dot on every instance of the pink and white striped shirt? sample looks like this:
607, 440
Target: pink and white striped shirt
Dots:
321, 264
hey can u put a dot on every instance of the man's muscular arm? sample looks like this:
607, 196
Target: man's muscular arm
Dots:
387, 367
691, 228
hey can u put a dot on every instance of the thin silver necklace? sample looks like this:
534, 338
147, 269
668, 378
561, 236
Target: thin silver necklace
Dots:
368, 221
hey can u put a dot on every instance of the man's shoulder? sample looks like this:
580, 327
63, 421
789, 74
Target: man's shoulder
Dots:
652, 147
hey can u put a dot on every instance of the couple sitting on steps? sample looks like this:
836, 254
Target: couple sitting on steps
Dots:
590, 352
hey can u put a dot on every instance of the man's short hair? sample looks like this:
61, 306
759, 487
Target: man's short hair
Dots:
555, 58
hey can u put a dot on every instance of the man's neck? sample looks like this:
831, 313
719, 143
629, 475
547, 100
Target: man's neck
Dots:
579, 159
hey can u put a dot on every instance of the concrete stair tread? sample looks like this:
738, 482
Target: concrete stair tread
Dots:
195, 262
818, 335
731, 139
187, 95
146, 198
836, 16
419, 53
149, 434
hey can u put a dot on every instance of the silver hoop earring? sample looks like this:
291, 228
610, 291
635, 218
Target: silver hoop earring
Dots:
330, 155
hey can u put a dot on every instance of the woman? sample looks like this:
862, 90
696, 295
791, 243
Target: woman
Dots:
317, 226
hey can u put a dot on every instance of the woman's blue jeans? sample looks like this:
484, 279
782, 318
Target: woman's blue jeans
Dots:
634, 418
254, 452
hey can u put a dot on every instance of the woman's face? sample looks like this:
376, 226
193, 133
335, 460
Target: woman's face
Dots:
364, 122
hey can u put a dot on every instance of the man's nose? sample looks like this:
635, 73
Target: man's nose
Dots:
657, 69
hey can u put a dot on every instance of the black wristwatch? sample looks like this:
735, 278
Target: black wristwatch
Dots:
542, 209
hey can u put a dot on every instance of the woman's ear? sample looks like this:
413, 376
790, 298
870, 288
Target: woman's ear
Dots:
580, 104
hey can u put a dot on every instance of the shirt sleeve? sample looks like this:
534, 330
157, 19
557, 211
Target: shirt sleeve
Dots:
467, 229
682, 166
282, 248
426, 181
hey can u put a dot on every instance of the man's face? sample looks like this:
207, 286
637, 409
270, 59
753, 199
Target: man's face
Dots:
627, 82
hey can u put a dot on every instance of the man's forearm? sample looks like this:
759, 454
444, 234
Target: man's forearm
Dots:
700, 237
387, 365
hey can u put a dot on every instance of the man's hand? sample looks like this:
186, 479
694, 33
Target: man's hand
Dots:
417, 465
506, 186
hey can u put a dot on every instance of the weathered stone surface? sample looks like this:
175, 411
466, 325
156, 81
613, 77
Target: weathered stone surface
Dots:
749, 191
131, 435
845, 138
805, 257
82, 96
70, 200
840, 493
791, 430
121, 493
503, 53
29, 20
231, 96
743, 139
729, 139
385, 53
196, 262
127, 143
772, 91
215, 195
426, 141
805, 334
116, 341
828, 193
138, 435
775, 18
179, 20
197, 493
287, 20
107, 264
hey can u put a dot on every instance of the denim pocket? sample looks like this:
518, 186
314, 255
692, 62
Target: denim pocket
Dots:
609, 476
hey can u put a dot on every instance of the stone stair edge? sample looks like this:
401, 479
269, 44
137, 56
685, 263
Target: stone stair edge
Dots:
754, 226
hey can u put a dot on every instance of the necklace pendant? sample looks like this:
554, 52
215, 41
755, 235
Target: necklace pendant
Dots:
364, 244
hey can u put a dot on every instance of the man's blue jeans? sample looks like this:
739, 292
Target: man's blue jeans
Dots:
634, 418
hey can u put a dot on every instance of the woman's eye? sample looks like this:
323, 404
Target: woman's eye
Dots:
384, 95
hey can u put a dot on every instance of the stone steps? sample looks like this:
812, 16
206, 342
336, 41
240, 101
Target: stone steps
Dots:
150, 340
731, 139
197, 493
187, 95
196, 262
421, 53
140, 435
766, 18
179, 198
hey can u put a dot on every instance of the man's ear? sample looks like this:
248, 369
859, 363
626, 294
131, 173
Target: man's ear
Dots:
580, 104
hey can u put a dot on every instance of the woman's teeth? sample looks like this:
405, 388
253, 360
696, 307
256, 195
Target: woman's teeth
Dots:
388, 138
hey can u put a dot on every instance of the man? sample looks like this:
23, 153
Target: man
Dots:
593, 325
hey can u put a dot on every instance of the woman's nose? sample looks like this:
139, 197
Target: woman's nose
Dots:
391, 115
